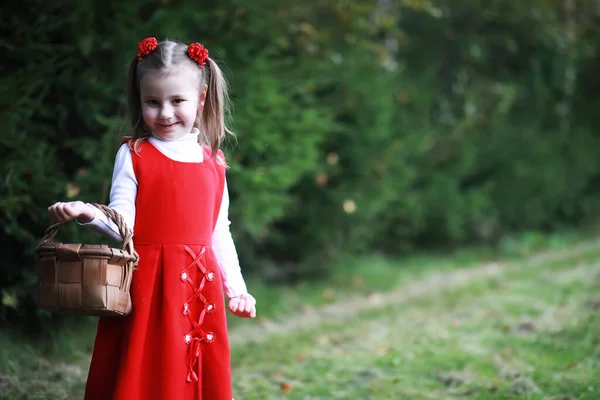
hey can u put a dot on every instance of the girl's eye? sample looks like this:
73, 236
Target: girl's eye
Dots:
178, 101
152, 102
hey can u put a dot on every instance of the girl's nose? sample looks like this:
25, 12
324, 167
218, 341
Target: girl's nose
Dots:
166, 112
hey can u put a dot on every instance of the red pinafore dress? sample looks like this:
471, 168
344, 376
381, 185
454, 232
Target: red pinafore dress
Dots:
174, 344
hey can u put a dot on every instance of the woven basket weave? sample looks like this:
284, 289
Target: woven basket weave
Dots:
84, 279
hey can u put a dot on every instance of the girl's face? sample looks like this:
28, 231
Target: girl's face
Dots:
171, 101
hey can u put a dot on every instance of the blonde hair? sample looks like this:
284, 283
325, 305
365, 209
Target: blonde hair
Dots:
211, 122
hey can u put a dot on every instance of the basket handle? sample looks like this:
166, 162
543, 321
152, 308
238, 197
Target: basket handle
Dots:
112, 215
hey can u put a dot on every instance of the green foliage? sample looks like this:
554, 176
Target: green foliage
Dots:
360, 125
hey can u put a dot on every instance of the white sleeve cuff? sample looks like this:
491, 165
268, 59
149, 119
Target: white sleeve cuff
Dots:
235, 290
103, 225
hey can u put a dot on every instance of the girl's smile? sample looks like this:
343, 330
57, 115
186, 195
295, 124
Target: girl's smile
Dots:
171, 101
167, 126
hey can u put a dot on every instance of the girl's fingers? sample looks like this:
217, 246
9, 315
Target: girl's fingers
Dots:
58, 213
52, 210
233, 305
70, 211
62, 213
249, 306
55, 213
241, 305
73, 210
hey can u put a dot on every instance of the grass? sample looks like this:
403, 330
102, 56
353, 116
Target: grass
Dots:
427, 327
525, 334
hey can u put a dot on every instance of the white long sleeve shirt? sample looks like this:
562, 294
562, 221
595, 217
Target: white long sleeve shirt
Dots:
123, 195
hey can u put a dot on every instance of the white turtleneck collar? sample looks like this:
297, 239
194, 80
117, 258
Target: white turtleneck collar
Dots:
184, 149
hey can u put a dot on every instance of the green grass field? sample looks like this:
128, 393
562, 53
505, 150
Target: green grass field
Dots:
428, 327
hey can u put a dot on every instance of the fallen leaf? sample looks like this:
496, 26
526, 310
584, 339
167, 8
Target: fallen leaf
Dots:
523, 385
307, 310
375, 298
323, 339
367, 374
356, 281
594, 304
506, 353
382, 351
496, 385
264, 321
526, 326
571, 364
43, 362
557, 344
286, 387
327, 294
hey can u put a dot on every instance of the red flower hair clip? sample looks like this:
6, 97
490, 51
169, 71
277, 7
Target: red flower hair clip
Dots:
198, 53
146, 46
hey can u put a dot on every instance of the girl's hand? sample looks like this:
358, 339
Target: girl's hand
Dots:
243, 306
63, 212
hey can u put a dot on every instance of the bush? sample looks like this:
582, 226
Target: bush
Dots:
360, 126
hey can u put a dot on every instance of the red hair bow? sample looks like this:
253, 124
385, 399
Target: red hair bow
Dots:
146, 46
198, 53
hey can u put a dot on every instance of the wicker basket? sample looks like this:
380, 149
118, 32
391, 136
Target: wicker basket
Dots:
84, 279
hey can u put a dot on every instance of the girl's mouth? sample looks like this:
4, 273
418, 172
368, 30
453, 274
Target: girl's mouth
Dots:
168, 125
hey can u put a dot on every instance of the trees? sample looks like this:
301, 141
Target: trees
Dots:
361, 125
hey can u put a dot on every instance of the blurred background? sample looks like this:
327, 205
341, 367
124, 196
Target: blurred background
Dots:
384, 127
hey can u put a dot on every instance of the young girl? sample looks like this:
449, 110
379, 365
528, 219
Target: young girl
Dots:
169, 185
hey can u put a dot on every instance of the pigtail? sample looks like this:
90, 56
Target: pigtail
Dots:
138, 132
133, 96
215, 109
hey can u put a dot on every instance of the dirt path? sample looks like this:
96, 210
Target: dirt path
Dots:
434, 283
